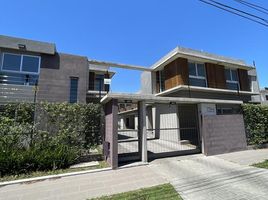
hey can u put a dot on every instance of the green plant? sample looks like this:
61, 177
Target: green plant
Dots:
47, 136
256, 123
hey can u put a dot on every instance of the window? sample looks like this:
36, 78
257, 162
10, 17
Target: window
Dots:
266, 97
73, 89
197, 74
30, 64
11, 62
231, 79
99, 82
21, 63
228, 109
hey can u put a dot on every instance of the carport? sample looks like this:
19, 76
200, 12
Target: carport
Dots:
149, 141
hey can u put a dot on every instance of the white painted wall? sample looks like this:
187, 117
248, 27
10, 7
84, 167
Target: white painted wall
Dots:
165, 116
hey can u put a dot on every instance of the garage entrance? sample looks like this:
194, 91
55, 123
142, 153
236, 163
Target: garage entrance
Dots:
156, 126
172, 129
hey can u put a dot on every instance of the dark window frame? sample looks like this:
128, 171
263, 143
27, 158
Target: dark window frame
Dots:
73, 99
197, 76
231, 80
20, 71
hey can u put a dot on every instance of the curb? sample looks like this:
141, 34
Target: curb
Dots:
42, 178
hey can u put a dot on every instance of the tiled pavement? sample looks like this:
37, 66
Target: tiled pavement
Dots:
213, 178
84, 186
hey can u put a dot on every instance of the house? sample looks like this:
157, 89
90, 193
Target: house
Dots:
27, 66
190, 102
264, 96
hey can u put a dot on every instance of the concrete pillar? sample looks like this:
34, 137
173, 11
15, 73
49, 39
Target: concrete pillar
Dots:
136, 122
122, 123
142, 136
110, 145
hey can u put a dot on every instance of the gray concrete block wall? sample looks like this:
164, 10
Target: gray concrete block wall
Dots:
223, 134
111, 135
55, 73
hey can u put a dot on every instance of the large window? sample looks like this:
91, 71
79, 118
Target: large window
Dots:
21, 63
73, 89
231, 79
197, 74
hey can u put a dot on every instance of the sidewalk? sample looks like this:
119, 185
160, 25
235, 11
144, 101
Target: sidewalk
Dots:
81, 187
247, 157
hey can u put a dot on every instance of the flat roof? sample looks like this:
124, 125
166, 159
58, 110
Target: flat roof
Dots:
150, 98
31, 45
199, 56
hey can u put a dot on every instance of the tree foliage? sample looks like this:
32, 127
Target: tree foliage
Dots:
46, 136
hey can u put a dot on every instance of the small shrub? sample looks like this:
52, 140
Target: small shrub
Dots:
256, 123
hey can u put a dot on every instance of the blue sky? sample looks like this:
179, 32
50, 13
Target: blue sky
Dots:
137, 32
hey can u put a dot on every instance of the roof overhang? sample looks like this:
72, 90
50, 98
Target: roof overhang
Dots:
134, 98
199, 56
30, 45
204, 89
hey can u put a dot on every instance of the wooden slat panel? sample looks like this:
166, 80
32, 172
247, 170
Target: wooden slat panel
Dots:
243, 80
211, 75
220, 77
183, 71
170, 72
215, 76
176, 73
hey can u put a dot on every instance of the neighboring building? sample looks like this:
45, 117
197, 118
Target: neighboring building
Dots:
264, 96
59, 77
190, 102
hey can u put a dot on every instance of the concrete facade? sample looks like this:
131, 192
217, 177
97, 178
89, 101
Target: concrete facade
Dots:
55, 74
223, 134
53, 77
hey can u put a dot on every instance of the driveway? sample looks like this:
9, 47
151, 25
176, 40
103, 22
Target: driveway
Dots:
225, 176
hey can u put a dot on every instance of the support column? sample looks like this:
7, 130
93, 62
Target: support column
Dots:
142, 131
110, 145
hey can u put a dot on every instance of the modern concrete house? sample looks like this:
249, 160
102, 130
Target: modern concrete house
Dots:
59, 77
264, 96
189, 103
